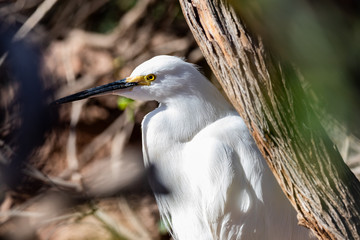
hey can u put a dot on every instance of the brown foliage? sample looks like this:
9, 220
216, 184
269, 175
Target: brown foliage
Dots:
75, 180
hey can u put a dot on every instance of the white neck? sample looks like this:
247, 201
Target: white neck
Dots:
186, 115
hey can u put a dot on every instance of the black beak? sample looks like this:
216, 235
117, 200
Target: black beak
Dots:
100, 90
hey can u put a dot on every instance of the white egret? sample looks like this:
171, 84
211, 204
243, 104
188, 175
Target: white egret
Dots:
220, 185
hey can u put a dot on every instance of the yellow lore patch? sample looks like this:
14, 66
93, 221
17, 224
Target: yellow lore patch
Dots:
142, 80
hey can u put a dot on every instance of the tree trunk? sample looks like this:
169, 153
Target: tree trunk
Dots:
268, 95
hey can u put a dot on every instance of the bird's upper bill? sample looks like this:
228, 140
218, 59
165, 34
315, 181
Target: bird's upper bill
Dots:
108, 88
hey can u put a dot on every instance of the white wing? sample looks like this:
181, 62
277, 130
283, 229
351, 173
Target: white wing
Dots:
221, 187
232, 189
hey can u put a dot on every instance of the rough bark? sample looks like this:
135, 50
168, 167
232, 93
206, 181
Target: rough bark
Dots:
268, 95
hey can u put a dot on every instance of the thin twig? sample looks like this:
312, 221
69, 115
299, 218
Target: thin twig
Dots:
71, 156
133, 219
120, 140
118, 230
16, 213
34, 19
23, 206
54, 181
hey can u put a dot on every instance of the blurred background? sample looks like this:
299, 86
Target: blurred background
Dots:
75, 171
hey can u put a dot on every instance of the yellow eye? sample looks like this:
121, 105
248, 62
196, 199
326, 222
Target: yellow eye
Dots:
150, 77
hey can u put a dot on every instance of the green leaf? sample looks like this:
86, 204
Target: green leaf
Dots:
124, 102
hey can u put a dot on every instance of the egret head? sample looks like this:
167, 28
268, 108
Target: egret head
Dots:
159, 78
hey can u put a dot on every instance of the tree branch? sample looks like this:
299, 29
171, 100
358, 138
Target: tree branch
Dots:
268, 95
